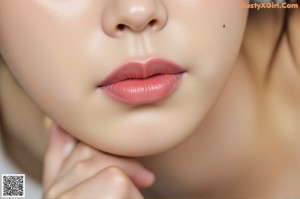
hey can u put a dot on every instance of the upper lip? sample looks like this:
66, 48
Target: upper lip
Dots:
142, 70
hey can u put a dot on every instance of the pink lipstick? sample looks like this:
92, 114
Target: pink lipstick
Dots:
138, 83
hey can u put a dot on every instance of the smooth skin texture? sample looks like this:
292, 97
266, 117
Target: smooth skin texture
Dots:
65, 72
213, 136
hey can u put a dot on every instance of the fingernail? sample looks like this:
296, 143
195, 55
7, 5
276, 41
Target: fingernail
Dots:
69, 146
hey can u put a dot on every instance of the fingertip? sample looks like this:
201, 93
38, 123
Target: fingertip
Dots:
149, 179
145, 178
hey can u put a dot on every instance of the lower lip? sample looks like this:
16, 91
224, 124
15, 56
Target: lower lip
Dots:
143, 91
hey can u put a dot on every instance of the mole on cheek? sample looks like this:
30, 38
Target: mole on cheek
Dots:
224, 26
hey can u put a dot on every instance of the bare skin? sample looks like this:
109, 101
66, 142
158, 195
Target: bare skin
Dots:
263, 102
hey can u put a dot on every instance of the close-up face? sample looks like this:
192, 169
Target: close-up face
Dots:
129, 77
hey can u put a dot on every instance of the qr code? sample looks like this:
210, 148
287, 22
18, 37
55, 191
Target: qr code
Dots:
13, 185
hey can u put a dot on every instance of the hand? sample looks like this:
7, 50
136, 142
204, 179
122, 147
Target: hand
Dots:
73, 169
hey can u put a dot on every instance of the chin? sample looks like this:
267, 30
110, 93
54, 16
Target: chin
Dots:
147, 138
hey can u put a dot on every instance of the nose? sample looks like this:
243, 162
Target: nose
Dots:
133, 15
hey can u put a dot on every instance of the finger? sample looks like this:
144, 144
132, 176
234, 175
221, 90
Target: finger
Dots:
84, 170
59, 146
109, 183
91, 161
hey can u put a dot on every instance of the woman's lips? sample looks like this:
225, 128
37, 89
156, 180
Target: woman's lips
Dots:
137, 83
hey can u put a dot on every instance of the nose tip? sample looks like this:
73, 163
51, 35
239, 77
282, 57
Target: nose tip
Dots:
133, 15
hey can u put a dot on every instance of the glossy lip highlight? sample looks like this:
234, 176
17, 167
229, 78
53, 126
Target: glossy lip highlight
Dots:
137, 83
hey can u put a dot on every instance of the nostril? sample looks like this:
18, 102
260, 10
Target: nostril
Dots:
152, 22
121, 27
122, 17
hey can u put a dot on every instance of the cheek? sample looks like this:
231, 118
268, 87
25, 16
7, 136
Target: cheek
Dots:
202, 23
32, 43
211, 49
217, 27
